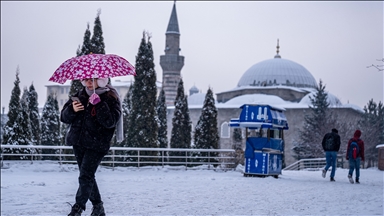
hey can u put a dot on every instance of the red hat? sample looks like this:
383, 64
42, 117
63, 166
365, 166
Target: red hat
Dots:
357, 133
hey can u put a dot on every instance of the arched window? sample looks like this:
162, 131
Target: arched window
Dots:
225, 130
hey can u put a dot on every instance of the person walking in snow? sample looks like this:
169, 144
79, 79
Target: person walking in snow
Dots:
355, 154
92, 125
331, 145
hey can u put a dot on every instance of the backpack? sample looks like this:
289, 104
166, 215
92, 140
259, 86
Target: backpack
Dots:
329, 143
354, 150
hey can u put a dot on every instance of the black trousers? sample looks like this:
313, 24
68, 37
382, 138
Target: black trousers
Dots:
88, 160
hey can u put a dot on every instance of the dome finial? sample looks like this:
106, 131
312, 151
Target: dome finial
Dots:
277, 51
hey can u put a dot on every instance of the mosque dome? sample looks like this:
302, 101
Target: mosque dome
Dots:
278, 71
193, 90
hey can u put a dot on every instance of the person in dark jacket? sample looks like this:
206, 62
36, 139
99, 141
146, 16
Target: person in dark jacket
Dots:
354, 164
331, 145
92, 123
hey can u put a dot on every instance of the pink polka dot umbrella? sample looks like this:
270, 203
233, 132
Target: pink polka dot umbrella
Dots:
92, 66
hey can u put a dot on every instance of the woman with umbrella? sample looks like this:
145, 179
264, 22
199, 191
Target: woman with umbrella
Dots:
92, 126
93, 114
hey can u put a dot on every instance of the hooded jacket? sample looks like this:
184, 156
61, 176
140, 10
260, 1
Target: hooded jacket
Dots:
94, 126
360, 143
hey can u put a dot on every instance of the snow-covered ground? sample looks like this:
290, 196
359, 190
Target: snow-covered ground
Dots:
43, 188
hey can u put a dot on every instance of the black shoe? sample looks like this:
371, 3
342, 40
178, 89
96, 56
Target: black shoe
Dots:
76, 210
332, 179
98, 210
357, 181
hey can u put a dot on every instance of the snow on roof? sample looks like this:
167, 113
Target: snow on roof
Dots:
196, 99
332, 99
270, 87
256, 99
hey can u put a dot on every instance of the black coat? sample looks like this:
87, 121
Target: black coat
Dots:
336, 142
94, 126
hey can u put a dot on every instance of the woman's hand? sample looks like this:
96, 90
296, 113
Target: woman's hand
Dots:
77, 106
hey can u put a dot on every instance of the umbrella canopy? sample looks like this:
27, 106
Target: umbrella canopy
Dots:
92, 66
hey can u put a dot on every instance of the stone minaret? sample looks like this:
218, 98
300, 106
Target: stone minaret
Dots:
171, 62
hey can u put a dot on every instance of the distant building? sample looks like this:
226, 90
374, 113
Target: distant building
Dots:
277, 81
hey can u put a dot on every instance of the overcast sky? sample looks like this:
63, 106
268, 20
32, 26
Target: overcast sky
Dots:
335, 41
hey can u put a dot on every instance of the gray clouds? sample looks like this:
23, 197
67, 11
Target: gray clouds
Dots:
335, 41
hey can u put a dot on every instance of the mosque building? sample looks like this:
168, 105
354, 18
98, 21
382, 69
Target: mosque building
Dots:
276, 81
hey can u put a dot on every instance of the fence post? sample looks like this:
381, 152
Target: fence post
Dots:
138, 158
186, 160
31, 157
60, 156
162, 159
113, 159
209, 159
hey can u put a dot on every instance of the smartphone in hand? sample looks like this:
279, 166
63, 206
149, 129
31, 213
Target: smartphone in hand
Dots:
75, 99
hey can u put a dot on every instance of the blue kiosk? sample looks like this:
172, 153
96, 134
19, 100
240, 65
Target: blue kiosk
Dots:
264, 150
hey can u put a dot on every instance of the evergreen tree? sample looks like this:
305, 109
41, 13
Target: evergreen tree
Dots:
237, 138
14, 107
206, 132
87, 46
162, 120
50, 126
319, 122
372, 127
25, 122
187, 123
181, 125
34, 114
97, 41
20, 132
142, 123
127, 109
85, 50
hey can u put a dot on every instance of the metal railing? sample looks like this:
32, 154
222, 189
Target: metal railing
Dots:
313, 164
138, 157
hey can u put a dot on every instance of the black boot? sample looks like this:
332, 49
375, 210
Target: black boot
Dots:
76, 210
332, 179
357, 181
98, 210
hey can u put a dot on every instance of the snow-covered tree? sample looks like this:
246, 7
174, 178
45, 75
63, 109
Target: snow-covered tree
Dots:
317, 123
237, 138
50, 126
181, 125
126, 111
14, 107
34, 114
142, 125
25, 130
20, 132
84, 50
206, 134
372, 127
162, 120
86, 47
97, 40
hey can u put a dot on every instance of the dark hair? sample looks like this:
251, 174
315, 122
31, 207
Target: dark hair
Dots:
335, 130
